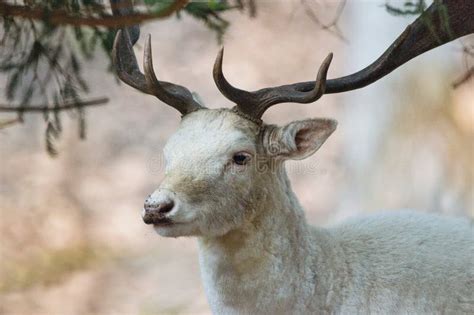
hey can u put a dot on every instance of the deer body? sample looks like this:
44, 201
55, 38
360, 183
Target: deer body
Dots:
225, 183
400, 263
330, 273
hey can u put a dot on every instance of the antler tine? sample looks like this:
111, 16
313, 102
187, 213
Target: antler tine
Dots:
320, 83
254, 104
174, 95
126, 64
234, 94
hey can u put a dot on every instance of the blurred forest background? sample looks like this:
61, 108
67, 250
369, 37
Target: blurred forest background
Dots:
71, 237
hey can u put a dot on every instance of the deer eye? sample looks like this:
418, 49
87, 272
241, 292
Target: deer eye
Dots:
241, 158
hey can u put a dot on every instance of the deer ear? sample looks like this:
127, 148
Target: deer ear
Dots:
298, 139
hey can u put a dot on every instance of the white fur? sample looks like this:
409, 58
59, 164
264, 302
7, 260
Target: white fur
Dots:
259, 256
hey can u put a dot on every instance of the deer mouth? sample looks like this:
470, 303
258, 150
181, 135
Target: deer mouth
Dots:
156, 220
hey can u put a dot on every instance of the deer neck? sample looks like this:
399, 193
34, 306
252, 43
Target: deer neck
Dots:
272, 251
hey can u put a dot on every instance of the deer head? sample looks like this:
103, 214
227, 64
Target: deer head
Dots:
220, 163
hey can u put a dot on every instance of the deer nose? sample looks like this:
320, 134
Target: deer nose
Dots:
156, 210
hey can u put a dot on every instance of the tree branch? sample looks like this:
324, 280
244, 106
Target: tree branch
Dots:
48, 108
442, 22
464, 78
58, 17
332, 26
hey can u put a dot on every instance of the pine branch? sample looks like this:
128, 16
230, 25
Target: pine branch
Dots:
59, 17
49, 108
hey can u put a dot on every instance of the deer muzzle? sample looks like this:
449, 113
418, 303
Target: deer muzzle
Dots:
157, 207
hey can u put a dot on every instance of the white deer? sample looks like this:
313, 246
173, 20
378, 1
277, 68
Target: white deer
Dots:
225, 183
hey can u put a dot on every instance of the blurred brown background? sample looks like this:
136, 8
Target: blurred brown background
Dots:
72, 240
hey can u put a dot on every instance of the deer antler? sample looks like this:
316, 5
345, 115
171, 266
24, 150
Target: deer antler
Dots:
442, 22
256, 103
126, 65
